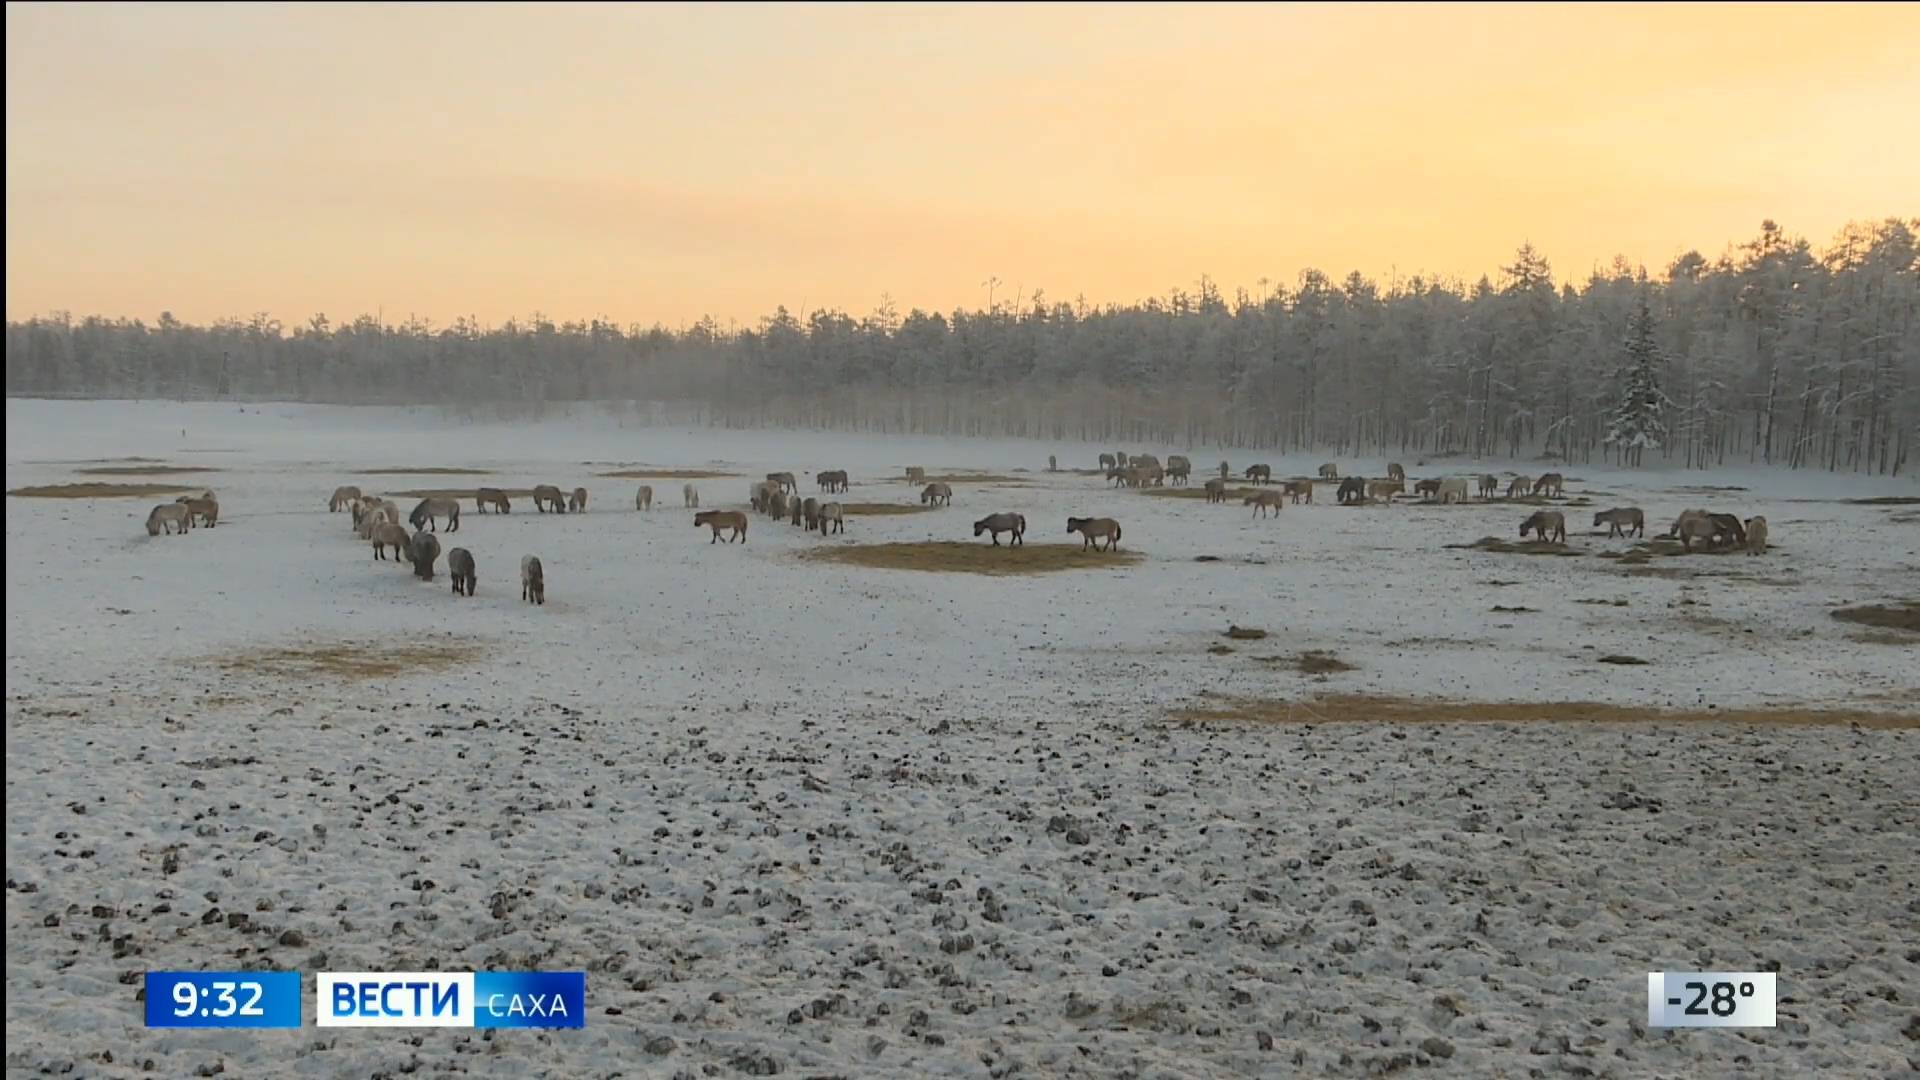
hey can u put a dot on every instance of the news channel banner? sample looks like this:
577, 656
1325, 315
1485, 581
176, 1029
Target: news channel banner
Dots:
272, 999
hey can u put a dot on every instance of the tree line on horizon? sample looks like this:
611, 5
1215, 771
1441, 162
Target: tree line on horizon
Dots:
1774, 352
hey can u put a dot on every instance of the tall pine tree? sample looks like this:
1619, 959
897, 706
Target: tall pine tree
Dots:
1640, 421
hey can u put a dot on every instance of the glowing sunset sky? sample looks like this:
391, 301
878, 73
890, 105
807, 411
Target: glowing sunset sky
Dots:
658, 163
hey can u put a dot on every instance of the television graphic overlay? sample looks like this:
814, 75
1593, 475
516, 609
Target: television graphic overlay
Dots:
223, 999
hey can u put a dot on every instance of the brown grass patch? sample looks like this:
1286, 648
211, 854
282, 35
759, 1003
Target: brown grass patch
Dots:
668, 474
1316, 662
973, 478
953, 556
426, 471
98, 491
1195, 492
348, 660
1245, 633
881, 509
1901, 616
456, 493
1884, 637
143, 470
1369, 709
1523, 547
1532, 500
1886, 500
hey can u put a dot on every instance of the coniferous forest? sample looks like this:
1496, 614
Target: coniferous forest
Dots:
1777, 351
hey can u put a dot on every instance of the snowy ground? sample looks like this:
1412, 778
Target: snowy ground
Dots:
890, 823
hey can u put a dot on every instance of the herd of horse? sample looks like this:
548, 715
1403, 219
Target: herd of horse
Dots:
377, 521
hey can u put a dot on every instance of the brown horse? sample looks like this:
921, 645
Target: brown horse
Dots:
1093, 530
723, 519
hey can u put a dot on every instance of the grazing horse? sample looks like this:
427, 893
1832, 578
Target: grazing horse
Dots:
832, 480
777, 506
1260, 474
533, 580
1106, 462
172, 517
1518, 487
1093, 530
1329, 471
436, 507
785, 480
999, 523
1353, 490
1299, 489
389, 535
1426, 488
1692, 525
1756, 536
936, 494
690, 495
1489, 486
643, 499
342, 497
1265, 503
1225, 471
1451, 487
1552, 483
830, 516
1216, 490
422, 550
1382, 489
798, 508
1625, 521
810, 513
460, 565
548, 497
493, 497
1179, 468
1728, 529
1397, 472
723, 519
1547, 525
916, 474
204, 508
577, 502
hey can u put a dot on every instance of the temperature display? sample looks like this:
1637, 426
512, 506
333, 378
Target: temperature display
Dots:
1710, 999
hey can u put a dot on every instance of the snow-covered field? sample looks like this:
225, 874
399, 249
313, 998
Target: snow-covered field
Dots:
888, 823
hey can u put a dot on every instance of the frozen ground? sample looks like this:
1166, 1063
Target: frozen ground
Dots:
890, 823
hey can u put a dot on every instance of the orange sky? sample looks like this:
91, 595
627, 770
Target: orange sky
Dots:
658, 163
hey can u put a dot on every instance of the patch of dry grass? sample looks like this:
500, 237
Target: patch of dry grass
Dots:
455, 493
869, 509
1885, 637
348, 660
973, 478
1246, 633
1196, 492
426, 470
1886, 500
143, 470
953, 556
1319, 662
98, 491
668, 474
1900, 616
1522, 547
1369, 709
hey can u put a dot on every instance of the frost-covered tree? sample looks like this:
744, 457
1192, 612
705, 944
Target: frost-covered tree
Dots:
1772, 351
1640, 421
